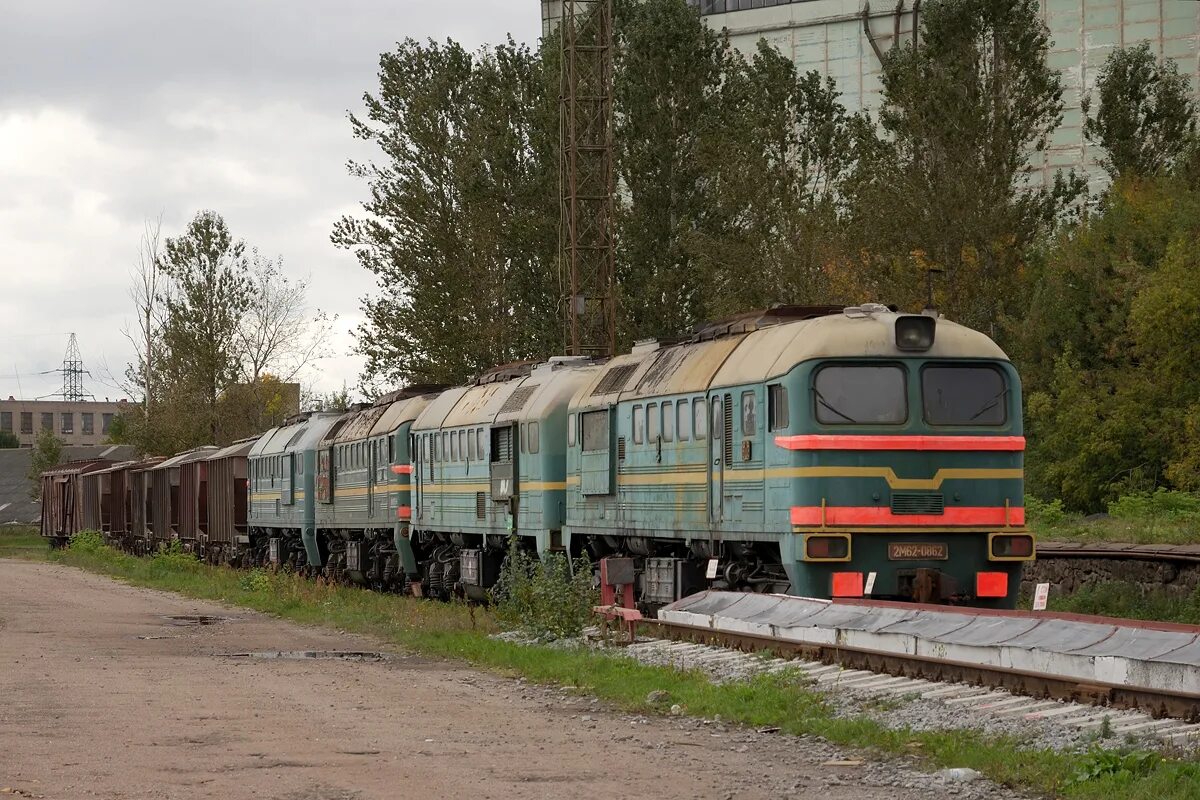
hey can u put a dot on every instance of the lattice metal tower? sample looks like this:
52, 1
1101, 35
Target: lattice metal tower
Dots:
586, 236
73, 372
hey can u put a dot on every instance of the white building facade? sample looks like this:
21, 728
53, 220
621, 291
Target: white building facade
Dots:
843, 39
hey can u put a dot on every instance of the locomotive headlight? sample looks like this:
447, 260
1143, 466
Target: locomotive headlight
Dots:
1010, 547
827, 547
914, 332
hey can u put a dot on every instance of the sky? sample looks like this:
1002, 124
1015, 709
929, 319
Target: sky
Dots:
118, 112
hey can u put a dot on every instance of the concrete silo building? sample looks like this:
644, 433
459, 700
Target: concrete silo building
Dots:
845, 38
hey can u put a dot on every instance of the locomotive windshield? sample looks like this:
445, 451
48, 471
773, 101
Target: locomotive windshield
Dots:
848, 394
964, 395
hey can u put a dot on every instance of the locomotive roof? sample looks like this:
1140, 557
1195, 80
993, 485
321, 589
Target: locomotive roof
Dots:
525, 396
405, 409
768, 352
301, 435
354, 424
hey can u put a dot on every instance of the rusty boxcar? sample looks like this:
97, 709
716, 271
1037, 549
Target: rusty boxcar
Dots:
227, 498
170, 504
63, 498
141, 503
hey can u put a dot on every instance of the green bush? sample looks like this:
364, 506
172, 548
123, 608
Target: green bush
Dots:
256, 580
1164, 503
548, 598
172, 558
86, 542
1039, 512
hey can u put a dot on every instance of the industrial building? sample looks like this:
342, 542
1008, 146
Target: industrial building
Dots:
79, 422
845, 40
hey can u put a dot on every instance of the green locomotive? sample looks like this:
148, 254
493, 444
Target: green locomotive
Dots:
849, 453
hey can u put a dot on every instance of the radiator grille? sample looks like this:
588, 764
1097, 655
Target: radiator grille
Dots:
480, 505
917, 503
615, 379
620, 448
517, 400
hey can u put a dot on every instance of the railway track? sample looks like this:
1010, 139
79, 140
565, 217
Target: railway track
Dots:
1176, 553
921, 671
1063, 671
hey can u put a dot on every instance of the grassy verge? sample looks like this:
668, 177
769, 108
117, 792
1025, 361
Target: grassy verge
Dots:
461, 632
1131, 601
22, 541
1111, 529
1159, 517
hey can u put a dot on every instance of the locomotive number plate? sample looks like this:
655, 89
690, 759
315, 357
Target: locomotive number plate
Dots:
912, 551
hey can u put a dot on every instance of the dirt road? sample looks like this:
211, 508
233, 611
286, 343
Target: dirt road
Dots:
101, 695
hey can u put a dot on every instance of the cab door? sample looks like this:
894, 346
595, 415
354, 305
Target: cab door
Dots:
372, 476
716, 439
287, 489
502, 470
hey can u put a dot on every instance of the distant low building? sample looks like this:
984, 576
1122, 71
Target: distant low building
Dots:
84, 422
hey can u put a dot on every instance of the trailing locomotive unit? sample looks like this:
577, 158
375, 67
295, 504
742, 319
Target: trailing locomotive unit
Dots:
490, 462
281, 523
846, 454
363, 493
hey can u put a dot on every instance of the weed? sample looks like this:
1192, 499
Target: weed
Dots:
1121, 766
86, 542
547, 597
173, 558
884, 703
256, 580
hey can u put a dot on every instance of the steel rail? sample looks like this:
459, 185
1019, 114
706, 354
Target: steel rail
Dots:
1157, 703
1185, 553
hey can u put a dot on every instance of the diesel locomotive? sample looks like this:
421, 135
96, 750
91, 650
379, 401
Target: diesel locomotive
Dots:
824, 452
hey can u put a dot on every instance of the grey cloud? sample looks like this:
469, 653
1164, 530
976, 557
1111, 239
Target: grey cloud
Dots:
171, 107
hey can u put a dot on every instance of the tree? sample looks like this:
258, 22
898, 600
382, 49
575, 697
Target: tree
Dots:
211, 291
8, 440
1108, 345
772, 158
338, 400
276, 331
146, 287
47, 454
461, 226
1146, 120
947, 186
221, 339
667, 74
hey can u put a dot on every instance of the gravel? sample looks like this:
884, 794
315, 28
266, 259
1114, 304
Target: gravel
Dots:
846, 767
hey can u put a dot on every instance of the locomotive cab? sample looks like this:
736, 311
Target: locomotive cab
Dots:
904, 470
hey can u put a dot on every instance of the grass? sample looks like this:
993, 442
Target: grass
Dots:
1160, 517
1131, 601
459, 631
22, 541
1112, 529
